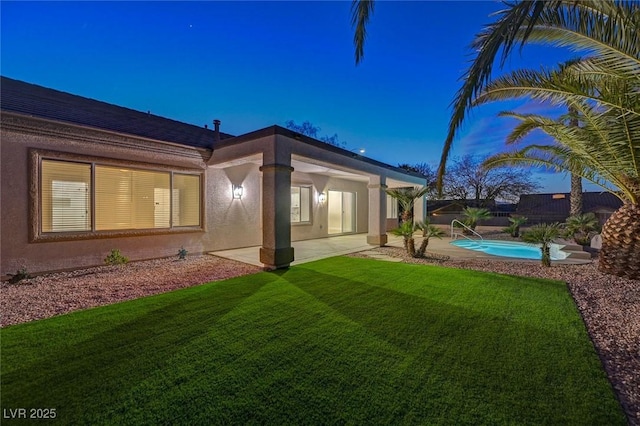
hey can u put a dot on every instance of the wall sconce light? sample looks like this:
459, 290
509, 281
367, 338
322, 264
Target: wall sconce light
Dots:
237, 192
322, 197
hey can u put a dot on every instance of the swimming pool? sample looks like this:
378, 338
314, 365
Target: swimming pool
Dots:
507, 249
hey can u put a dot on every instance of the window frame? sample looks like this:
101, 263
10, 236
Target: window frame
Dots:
310, 188
36, 234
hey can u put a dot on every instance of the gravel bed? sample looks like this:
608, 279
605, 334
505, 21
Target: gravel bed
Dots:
54, 294
610, 308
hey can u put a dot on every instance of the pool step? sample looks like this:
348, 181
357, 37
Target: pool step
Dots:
577, 254
574, 251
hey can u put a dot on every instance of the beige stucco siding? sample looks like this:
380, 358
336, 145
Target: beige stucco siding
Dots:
233, 223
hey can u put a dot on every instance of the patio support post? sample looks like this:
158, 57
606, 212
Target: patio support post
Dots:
276, 251
377, 234
420, 209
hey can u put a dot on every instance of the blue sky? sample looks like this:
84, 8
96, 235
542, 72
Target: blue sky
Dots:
255, 64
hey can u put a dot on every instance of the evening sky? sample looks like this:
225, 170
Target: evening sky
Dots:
255, 64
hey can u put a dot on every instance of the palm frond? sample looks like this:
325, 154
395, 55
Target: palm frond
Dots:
609, 29
500, 35
604, 149
361, 11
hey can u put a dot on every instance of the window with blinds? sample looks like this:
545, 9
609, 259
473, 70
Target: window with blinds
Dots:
392, 207
186, 200
66, 196
121, 198
300, 204
131, 199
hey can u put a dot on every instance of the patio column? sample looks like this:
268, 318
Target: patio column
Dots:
420, 209
377, 234
276, 251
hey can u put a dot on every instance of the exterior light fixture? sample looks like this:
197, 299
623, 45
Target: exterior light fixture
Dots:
322, 197
237, 192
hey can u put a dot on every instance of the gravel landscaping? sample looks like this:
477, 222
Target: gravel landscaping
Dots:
609, 305
53, 294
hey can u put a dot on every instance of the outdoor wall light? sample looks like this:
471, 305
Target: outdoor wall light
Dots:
322, 197
237, 192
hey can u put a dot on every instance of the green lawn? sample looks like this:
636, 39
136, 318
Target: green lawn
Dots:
337, 341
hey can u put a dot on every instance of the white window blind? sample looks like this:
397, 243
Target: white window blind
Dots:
66, 192
131, 199
186, 200
392, 207
300, 204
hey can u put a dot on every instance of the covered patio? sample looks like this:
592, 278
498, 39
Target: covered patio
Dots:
293, 191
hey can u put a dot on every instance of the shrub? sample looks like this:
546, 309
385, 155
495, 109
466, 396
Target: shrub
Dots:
21, 274
182, 253
582, 228
115, 258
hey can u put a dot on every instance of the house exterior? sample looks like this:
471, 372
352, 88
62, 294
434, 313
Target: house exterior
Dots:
548, 208
80, 177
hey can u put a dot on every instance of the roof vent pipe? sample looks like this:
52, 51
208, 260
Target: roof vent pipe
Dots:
216, 130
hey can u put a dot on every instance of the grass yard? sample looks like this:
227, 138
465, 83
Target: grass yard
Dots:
337, 341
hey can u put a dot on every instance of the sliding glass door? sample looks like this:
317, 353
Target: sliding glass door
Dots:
342, 212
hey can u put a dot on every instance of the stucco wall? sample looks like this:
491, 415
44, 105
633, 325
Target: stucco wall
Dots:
233, 223
16, 251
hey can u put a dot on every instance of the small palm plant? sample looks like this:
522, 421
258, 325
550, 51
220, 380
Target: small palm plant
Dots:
406, 230
473, 215
543, 234
428, 231
514, 228
582, 227
407, 198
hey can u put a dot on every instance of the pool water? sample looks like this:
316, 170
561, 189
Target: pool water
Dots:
502, 248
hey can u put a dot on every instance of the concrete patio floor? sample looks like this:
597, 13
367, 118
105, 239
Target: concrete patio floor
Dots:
305, 251
310, 250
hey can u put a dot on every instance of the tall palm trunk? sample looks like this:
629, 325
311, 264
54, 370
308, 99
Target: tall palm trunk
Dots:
620, 253
575, 197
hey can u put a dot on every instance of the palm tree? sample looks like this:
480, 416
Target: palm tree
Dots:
406, 230
604, 87
407, 198
473, 215
514, 228
607, 28
604, 150
428, 231
542, 234
575, 197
